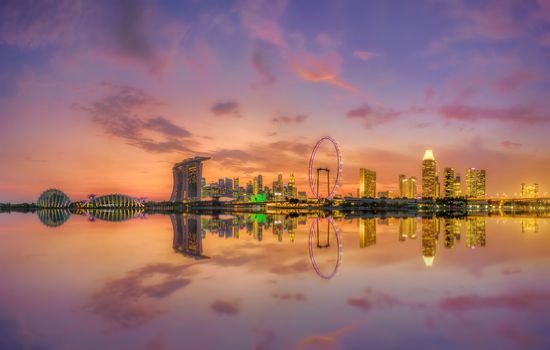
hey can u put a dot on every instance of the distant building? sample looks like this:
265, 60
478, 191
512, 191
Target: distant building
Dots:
430, 182
292, 190
529, 191
367, 183
228, 187
302, 196
260, 183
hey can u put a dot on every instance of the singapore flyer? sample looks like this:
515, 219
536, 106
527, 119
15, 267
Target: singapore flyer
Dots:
314, 186
314, 225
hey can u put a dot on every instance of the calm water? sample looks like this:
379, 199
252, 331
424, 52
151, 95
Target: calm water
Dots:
273, 282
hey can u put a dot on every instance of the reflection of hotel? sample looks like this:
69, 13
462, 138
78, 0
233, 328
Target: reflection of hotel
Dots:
429, 241
452, 232
407, 228
187, 235
475, 232
367, 232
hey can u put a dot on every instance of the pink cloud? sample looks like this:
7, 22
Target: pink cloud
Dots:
364, 55
262, 62
518, 114
515, 80
321, 69
325, 40
510, 145
261, 18
495, 20
429, 94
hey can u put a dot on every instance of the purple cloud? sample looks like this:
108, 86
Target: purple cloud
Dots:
522, 300
290, 119
510, 145
518, 114
229, 308
372, 117
226, 108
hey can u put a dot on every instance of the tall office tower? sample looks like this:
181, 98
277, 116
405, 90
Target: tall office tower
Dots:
429, 175
367, 183
449, 177
221, 186
401, 183
412, 187
292, 191
279, 183
260, 183
228, 187
249, 188
255, 186
437, 187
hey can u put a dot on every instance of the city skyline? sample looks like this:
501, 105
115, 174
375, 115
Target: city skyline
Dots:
90, 107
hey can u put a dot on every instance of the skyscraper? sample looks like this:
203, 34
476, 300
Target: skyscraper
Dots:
367, 183
255, 185
475, 183
449, 177
401, 184
228, 187
292, 191
429, 175
260, 183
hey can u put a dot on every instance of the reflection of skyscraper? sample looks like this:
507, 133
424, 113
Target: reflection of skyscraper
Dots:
429, 175
428, 240
529, 191
529, 225
407, 228
367, 183
367, 232
475, 232
452, 231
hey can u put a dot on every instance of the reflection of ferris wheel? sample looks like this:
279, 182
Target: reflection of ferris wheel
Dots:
315, 189
314, 231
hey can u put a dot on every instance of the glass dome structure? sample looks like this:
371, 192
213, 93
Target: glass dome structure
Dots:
114, 201
53, 198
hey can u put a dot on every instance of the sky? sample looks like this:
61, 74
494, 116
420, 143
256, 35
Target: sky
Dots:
104, 96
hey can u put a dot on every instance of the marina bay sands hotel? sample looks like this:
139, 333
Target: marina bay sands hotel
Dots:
187, 180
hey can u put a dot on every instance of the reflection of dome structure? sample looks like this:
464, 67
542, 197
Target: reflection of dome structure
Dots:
429, 260
53, 198
53, 217
114, 215
114, 201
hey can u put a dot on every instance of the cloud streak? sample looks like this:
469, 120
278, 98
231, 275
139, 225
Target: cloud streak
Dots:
229, 108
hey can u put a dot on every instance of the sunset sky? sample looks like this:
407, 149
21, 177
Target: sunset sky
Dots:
104, 96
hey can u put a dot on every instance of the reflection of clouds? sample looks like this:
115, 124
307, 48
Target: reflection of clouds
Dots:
523, 300
373, 298
323, 341
126, 302
13, 337
226, 307
157, 343
289, 296
267, 338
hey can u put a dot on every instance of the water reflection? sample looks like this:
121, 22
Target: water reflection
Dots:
316, 235
53, 217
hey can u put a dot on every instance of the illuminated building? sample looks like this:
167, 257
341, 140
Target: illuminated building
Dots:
449, 177
401, 183
221, 186
475, 183
292, 190
255, 187
367, 183
407, 228
260, 183
236, 191
529, 191
187, 176
457, 187
367, 232
475, 232
228, 187
407, 187
452, 231
429, 241
430, 182
302, 195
